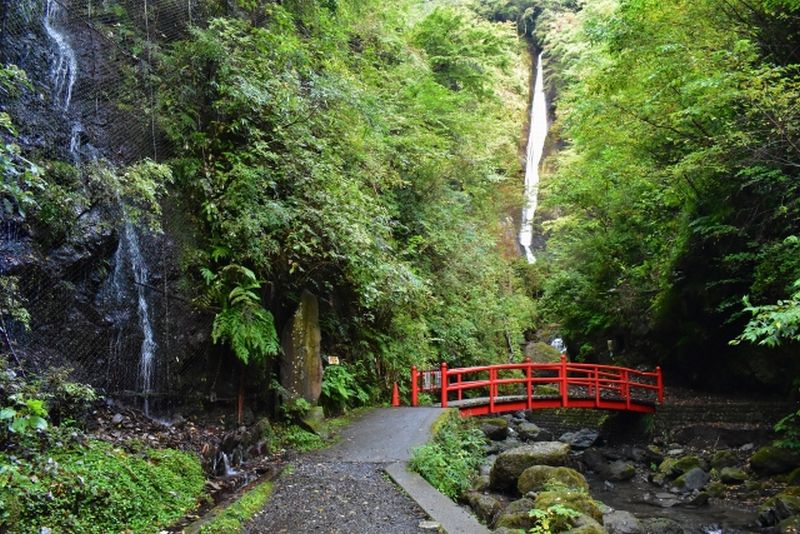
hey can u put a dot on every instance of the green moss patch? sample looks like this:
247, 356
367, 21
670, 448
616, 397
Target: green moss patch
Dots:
97, 488
230, 521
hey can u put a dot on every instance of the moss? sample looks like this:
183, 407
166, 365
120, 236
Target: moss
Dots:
577, 500
541, 477
98, 488
774, 461
232, 519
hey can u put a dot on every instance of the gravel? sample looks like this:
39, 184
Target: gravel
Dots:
337, 497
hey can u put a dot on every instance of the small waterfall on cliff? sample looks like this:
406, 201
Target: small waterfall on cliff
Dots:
130, 268
536, 138
64, 70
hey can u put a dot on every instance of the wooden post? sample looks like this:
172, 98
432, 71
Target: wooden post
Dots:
563, 379
444, 384
414, 386
660, 384
529, 381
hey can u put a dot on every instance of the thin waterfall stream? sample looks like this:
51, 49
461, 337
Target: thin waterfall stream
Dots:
536, 139
130, 266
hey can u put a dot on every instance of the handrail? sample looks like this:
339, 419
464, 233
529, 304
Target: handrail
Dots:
581, 385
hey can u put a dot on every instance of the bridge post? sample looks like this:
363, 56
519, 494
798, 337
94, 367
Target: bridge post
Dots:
444, 384
563, 378
529, 381
492, 378
597, 387
660, 384
414, 386
626, 388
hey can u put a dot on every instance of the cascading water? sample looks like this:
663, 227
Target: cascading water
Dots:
129, 259
64, 70
536, 139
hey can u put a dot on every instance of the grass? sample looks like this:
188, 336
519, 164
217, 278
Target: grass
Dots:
231, 520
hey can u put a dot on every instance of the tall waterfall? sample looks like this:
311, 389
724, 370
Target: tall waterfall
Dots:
536, 139
64, 70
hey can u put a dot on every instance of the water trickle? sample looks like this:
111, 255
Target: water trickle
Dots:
130, 269
536, 139
64, 70
75, 141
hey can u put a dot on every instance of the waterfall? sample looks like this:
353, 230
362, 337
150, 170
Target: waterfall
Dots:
64, 70
536, 139
129, 258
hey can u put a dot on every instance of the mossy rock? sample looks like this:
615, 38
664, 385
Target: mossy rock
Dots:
506, 530
724, 458
790, 525
771, 460
675, 467
661, 525
589, 526
495, 428
793, 479
485, 507
694, 479
579, 501
541, 477
540, 352
511, 463
732, 475
779, 507
516, 515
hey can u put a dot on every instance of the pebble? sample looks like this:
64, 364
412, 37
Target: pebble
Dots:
430, 525
117, 419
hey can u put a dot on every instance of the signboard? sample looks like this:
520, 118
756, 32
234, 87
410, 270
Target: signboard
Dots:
333, 360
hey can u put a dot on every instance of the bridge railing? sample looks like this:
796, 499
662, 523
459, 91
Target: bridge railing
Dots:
561, 380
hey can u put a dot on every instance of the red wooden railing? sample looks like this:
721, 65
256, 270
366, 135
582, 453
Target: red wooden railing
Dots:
526, 386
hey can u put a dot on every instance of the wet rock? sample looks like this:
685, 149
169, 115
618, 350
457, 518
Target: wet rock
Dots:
486, 466
594, 460
732, 475
653, 454
675, 467
780, 507
485, 507
724, 458
537, 477
774, 461
577, 500
585, 525
495, 428
622, 522
528, 431
661, 525
582, 439
698, 499
693, 479
793, 479
301, 362
516, 515
619, 470
511, 463
481, 483
117, 419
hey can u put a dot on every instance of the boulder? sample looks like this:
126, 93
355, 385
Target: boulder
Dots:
495, 428
724, 458
301, 361
780, 507
675, 467
516, 515
511, 463
539, 477
693, 479
485, 507
622, 522
789, 525
540, 352
661, 525
619, 470
771, 460
481, 483
585, 525
528, 431
579, 501
582, 439
732, 475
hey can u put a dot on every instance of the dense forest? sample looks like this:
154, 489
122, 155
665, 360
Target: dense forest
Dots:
371, 154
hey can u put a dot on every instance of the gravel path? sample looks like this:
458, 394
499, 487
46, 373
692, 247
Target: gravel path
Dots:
343, 490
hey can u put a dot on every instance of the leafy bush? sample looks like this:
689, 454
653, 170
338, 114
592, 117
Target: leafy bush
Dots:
299, 439
452, 458
341, 390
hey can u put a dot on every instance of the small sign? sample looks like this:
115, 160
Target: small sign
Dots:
333, 360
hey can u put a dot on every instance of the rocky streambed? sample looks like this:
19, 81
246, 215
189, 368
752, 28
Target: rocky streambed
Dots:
619, 480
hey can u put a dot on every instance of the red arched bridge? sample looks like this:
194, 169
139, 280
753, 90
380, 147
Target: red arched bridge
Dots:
529, 386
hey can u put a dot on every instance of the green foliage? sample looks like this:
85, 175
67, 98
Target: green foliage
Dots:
678, 184
772, 324
25, 416
232, 519
296, 438
97, 489
341, 390
554, 519
243, 323
452, 458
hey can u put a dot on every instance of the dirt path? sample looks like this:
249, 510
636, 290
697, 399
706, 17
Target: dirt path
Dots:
343, 489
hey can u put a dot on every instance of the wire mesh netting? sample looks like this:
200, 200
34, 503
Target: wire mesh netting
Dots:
106, 301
